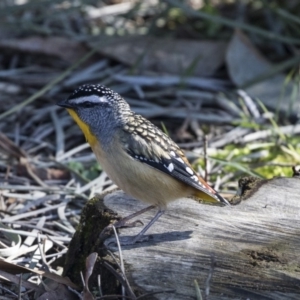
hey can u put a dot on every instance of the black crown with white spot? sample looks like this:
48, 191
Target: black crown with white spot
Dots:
92, 89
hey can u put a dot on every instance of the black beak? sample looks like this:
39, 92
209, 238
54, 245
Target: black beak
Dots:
65, 104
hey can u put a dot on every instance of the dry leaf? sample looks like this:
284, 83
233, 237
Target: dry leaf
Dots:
14, 241
56, 291
15, 269
89, 266
245, 63
65, 48
24, 168
8, 147
16, 279
203, 58
43, 173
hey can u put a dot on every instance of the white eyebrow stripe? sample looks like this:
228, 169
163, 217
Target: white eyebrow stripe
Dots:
103, 99
91, 99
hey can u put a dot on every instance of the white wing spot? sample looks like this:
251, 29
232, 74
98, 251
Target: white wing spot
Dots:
172, 153
180, 159
170, 167
189, 170
195, 178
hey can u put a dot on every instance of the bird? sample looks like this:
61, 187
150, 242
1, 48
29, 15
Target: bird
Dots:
136, 155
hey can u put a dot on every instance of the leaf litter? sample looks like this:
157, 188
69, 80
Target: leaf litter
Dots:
42, 186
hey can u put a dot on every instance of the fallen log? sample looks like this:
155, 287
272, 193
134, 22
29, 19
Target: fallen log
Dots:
246, 251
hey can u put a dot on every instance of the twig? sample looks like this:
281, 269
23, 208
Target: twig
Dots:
47, 87
120, 256
205, 156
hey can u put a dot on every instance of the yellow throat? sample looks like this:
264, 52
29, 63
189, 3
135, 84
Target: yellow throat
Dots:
90, 137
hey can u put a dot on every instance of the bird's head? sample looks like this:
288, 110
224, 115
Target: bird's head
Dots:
97, 109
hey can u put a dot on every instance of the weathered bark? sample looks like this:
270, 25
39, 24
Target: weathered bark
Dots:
251, 249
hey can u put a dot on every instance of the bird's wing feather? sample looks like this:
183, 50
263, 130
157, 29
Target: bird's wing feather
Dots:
151, 146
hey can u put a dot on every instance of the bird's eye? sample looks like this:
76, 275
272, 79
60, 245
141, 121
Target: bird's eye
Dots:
88, 104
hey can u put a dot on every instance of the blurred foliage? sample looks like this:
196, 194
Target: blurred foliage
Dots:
215, 20
87, 172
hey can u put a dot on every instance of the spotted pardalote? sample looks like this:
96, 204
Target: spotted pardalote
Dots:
143, 161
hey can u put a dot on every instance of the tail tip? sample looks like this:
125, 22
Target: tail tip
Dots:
222, 200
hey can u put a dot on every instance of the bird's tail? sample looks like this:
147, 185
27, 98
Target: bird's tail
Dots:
209, 198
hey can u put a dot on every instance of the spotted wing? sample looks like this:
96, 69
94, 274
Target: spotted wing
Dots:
146, 143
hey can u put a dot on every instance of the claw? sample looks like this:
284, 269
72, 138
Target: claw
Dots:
124, 224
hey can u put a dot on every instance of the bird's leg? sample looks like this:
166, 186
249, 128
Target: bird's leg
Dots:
138, 237
124, 221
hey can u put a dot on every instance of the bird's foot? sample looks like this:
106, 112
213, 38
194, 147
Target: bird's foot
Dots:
123, 223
